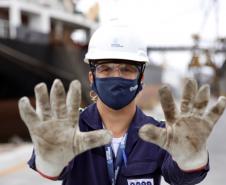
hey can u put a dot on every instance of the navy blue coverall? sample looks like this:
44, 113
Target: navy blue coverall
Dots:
145, 160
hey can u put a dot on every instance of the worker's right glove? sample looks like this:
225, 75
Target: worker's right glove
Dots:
54, 127
187, 131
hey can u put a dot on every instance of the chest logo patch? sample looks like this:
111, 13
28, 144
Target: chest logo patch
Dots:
139, 181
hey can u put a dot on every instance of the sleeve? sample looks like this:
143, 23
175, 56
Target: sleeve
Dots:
175, 176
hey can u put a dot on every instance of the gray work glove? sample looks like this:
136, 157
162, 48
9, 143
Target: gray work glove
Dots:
186, 132
54, 128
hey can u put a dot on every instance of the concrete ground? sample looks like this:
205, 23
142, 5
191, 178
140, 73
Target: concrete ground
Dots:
14, 171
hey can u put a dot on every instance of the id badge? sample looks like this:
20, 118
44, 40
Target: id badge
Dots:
139, 181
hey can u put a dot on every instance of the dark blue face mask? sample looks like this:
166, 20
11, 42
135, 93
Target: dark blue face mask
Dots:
116, 92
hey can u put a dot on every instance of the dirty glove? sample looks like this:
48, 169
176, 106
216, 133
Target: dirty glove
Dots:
54, 127
186, 132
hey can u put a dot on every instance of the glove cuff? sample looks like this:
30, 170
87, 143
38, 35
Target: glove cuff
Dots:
47, 169
196, 162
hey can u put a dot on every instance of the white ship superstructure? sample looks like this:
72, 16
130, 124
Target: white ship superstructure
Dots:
37, 44
41, 16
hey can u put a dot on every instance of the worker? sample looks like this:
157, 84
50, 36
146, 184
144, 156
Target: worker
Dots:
112, 142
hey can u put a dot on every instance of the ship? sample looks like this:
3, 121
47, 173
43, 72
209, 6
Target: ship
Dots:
39, 42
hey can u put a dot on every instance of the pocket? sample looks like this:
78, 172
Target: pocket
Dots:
139, 169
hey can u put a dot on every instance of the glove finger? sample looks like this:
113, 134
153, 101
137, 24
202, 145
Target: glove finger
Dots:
168, 104
153, 134
216, 111
188, 95
27, 113
93, 139
73, 101
42, 102
201, 100
58, 99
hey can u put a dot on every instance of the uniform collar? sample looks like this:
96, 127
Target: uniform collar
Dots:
137, 122
92, 118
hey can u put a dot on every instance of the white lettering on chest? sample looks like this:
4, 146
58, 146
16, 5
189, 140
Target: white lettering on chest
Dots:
139, 181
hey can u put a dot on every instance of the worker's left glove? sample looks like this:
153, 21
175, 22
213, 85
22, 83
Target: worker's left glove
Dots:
186, 132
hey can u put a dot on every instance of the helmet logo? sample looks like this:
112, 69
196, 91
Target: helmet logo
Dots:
142, 52
115, 44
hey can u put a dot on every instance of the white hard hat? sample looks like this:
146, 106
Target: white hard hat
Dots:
116, 41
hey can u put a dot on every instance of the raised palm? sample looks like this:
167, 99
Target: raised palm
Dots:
54, 127
186, 132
